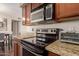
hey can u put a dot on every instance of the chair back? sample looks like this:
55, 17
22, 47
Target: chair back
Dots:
2, 35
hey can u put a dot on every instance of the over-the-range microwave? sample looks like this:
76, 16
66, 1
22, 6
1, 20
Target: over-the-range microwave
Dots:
37, 15
49, 12
43, 14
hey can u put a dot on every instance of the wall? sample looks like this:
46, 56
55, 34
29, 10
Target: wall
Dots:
26, 29
8, 23
67, 26
11, 11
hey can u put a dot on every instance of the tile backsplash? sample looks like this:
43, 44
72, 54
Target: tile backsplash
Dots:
67, 26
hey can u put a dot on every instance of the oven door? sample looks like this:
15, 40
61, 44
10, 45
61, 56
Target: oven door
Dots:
26, 52
29, 50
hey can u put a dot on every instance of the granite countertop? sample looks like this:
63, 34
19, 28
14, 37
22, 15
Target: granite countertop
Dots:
25, 36
63, 49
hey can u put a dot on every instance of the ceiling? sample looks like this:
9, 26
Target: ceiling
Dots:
11, 9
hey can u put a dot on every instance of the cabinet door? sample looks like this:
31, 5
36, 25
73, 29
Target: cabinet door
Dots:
23, 15
26, 14
19, 49
15, 49
66, 10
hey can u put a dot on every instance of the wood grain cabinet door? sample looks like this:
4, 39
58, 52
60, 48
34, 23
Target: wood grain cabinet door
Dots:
15, 49
26, 12
66, 10
19, 50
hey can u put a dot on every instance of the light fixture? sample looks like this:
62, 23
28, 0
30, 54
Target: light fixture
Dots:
1, 19
23, 19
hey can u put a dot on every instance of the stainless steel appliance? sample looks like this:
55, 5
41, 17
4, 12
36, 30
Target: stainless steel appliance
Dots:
49, 11
43, 14
70, 37
43, 38
37, 15
30, 49
46, 36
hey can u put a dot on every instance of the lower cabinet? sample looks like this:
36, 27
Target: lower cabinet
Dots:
17, 48
52, 54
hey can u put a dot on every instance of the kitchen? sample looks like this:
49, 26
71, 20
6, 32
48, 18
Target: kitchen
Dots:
46, 29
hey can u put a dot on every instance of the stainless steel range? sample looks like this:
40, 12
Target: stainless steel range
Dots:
46, 36
43, 38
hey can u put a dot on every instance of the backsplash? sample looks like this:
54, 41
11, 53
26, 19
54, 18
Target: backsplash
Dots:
67, 26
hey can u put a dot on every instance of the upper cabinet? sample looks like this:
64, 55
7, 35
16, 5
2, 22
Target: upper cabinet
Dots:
35, 5
66, 10
26, 11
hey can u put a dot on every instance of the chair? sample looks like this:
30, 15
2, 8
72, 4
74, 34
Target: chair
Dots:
2, 39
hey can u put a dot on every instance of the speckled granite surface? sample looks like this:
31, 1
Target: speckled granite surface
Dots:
63, 49
25, 36
20, 37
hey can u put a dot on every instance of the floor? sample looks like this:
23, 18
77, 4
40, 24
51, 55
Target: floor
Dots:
8, 51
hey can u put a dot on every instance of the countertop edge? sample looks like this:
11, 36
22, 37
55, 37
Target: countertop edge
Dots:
63, 49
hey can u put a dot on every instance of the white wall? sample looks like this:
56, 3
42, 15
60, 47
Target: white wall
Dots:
25, 29
11, 11
67, 26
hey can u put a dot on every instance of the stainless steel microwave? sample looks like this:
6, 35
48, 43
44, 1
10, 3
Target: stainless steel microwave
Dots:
45, 13
37, 15
49, 12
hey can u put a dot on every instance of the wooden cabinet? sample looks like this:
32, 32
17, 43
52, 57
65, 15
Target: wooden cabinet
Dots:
35, 5
66, 10
52, 54
26, 11
17, 48
23, 15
